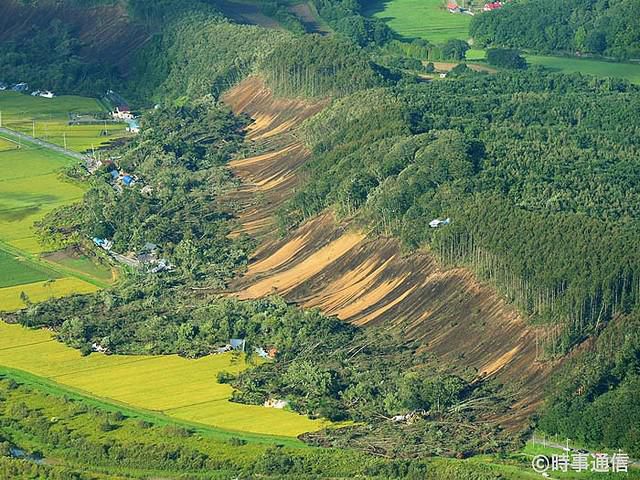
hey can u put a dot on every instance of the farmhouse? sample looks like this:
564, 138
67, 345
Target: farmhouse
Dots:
20, 87
269, 353
276, 403
492, 6
237, 344
133, 126
122, 112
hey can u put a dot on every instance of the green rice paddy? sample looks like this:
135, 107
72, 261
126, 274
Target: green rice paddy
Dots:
31, 186
427, 19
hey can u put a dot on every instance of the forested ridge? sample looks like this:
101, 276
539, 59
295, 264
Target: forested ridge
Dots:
610, 28
536, 171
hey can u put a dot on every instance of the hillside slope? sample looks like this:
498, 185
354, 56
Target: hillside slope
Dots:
106, 33
367, 280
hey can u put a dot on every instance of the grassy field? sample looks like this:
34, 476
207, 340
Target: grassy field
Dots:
180, 388
82, 265
427, 19
40, 291
19, 271
30, 187
597, 68
50, 118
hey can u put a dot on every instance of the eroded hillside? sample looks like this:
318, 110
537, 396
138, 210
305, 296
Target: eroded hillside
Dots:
106, 32
367, 280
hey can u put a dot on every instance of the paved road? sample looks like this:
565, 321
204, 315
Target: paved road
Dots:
42, 143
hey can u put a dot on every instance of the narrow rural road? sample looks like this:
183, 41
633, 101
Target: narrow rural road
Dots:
42, 143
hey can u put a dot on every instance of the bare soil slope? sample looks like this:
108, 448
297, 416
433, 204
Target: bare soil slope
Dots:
367, 280
106, 32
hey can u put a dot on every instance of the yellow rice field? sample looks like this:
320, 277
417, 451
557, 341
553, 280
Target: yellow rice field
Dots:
180, 388
40, 291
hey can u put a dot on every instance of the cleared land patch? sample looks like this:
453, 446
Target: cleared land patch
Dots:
427, 19
180, 388
49, 120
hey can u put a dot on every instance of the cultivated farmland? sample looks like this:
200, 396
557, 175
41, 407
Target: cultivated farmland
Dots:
180, 388
427, 19
30, 186
10, 297
18, 271
49, 119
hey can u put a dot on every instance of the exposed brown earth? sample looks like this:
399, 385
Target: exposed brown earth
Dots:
367, 280
268, 178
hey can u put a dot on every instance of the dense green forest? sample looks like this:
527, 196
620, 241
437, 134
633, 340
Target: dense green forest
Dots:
596, 399
541, 198
601, 27
49, 58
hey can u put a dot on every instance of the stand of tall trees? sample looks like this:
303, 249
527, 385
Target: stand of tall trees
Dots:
536, 171
596, 26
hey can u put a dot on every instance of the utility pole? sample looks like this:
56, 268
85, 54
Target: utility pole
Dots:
64, 135
0, 118
34, 129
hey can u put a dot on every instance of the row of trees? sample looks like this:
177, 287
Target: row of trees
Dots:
595, 399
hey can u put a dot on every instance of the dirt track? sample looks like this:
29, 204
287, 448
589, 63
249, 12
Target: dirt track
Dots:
367, 280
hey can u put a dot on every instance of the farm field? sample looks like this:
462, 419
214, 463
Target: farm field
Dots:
19, 271
80, 264
427, 19
30, 187
6, 144
180, 388
40, 291
629, 71
50, 117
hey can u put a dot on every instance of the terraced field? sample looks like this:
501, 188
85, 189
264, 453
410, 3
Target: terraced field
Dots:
180, 388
